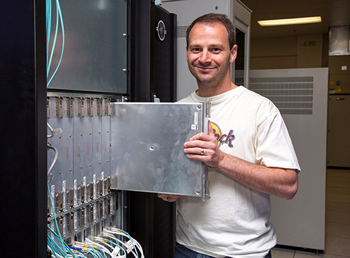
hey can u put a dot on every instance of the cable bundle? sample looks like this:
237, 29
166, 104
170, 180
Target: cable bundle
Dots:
59, 21
112, 243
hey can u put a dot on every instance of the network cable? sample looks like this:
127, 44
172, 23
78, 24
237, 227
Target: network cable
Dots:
130, 245
59, 20
116, 242
58, 234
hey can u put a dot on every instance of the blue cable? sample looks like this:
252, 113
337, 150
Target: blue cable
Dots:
67, 247
94, 250
51, 247
101, 250
54, 43
79, 250
48, 29
116, 244
55, 247
58, 236
58, 14
54, 214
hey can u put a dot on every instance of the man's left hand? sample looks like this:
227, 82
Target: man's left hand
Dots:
204, 147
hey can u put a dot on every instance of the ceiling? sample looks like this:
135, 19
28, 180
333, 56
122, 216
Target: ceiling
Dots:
332, 12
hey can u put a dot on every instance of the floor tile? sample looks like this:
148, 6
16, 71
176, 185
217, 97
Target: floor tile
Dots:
338, 190
337, 246
343, 198
337, 221
338, 207
302, 254
338, 217
282, 253
338, 230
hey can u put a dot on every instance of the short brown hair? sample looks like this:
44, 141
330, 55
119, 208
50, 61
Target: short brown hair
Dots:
213, 18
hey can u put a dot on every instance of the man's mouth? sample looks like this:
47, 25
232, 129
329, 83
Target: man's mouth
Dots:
204, 68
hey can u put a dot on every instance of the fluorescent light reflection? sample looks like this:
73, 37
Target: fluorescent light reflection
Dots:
290, 21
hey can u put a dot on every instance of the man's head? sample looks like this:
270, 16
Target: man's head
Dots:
215, 18
209, 53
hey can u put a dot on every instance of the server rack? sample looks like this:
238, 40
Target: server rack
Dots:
24, 116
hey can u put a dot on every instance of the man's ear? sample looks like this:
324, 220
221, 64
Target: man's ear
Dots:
233, 54
186, 53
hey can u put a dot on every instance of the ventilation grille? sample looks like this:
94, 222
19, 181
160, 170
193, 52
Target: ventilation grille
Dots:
181, 31
292, 95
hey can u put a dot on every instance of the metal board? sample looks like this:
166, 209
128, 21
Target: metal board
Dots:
63, 169
147, 147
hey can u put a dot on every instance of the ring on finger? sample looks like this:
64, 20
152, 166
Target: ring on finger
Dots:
202, 151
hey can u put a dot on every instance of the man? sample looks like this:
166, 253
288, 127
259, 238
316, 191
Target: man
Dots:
248, 151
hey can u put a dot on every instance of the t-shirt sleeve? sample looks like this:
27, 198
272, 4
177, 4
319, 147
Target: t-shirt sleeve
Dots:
274, 147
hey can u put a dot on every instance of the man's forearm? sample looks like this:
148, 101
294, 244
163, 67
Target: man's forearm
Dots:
275, 181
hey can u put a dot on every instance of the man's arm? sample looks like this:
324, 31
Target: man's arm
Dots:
276, 181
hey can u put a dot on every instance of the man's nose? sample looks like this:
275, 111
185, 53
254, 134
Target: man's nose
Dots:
205, 57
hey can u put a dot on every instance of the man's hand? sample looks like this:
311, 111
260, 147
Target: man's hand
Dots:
204, 147
169, 197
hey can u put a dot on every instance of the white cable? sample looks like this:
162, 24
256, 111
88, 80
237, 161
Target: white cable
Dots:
99, 245
133, 241
49, 146
123, 233
116, 239
125, 245
51, 130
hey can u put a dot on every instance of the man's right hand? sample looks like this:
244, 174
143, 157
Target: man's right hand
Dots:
169, 197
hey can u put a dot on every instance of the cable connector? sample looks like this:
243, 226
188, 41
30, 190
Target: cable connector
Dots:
130, 246
53, 131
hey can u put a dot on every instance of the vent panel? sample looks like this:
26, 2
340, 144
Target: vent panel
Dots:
292, 95
181, 31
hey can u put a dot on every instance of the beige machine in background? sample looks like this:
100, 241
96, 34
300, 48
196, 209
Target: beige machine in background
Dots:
338, 147
301, 96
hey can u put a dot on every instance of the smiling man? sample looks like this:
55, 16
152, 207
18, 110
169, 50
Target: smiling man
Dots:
248, 151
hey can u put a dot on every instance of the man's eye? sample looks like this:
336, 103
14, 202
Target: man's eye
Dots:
195, 50
215, 50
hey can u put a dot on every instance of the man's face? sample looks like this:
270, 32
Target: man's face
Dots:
209, 55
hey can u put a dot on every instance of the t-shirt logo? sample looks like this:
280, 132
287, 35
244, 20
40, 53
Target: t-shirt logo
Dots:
223, 138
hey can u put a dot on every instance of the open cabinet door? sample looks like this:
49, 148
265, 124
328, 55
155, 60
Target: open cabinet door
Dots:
147, 148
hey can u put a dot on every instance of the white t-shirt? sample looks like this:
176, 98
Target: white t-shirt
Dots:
235, 221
